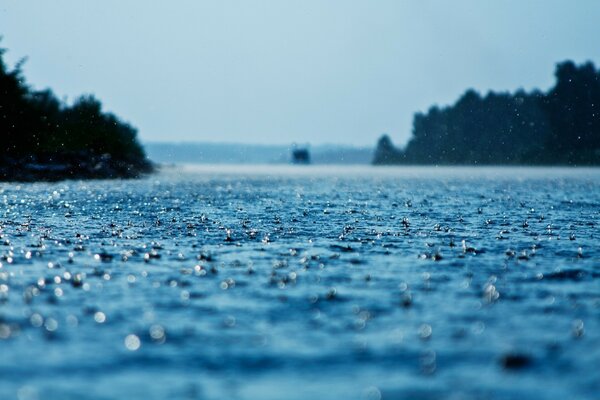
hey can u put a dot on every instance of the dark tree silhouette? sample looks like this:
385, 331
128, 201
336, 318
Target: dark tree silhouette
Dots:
385, 153
43, 138
573, 109
558, 127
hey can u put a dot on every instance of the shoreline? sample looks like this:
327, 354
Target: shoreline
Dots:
69, 166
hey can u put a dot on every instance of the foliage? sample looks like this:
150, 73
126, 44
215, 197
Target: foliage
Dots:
561, 126
36, 127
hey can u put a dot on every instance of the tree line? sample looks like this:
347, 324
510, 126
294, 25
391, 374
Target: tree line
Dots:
558, 127
44, 138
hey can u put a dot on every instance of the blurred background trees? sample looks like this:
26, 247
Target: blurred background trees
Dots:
561, 126
36, 127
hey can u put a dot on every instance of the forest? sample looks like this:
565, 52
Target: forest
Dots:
46, 139
558, 127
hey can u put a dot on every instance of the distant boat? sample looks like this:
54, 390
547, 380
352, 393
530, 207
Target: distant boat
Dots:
300, 156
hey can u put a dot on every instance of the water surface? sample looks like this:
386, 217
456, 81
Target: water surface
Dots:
277, 282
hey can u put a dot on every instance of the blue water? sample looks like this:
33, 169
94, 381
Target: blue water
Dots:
293, 283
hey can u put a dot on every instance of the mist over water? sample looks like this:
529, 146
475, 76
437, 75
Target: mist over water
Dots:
245, 282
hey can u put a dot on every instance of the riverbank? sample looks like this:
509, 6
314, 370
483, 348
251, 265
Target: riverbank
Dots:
52, 168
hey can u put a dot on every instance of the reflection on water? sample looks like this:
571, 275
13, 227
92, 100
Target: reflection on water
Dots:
289, 282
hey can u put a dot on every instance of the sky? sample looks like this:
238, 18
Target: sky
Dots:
303, 71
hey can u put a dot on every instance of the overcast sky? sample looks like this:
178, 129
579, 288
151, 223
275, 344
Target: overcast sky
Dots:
276, 71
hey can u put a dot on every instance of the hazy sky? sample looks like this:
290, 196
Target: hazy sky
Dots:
276, 71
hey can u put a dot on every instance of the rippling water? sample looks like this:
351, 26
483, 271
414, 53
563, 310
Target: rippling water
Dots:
289, 282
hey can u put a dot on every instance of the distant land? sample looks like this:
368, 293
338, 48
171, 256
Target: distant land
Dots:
557, 127
45, 139
238, 153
